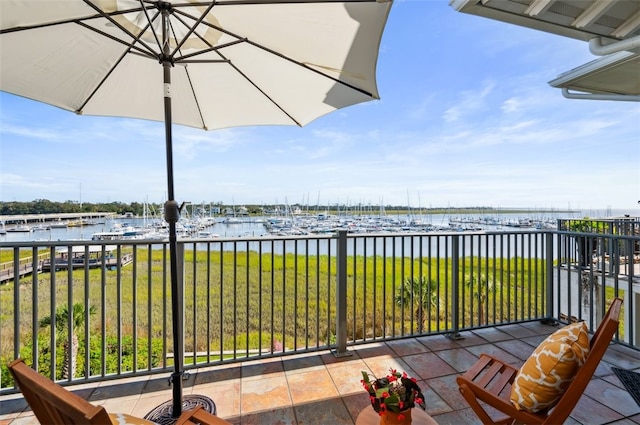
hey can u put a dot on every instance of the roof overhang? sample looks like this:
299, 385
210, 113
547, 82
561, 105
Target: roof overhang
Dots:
611, 27
612, 77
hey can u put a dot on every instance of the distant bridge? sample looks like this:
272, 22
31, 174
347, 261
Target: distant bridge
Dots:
47, 218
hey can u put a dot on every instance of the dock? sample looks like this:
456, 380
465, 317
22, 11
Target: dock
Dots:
78, 259
62, 261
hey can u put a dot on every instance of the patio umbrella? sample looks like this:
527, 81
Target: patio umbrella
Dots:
219, 63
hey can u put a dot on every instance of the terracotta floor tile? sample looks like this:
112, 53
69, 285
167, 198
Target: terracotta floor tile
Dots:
375, 349
146, 405
447, 389
518, 331
262, 369
516, 347
428, 365
119, 405
275, 416
264, 394
494, 350
379, 367
611, 395
435, 404
459, 358
326, 412
355, 403
311, 386
302, 363
410, 346
470, 339
225, 395
438, 342
347, 378
492, 334
225, 372
112, 389
590, 412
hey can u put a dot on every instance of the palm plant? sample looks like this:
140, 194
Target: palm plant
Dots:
481, 286
422, 293
62, 318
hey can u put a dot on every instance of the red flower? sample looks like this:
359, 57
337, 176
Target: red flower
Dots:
400, 417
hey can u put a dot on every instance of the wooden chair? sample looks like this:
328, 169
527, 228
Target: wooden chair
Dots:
55, 405
489, 381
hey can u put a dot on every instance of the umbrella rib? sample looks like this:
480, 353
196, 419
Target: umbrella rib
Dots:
276, 104
262, 2
102, 81
308, 68
192, 28
149, 20
148, 54
135, 38
181, 59
195, 98
139, 51
268, 50
66, 21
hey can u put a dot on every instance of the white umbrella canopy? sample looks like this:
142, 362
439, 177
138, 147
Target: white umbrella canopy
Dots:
253, 62
204, 64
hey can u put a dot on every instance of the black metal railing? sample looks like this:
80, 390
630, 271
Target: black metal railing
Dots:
102, 309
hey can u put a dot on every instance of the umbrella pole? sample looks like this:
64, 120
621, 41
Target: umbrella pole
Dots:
161, 414
171, 212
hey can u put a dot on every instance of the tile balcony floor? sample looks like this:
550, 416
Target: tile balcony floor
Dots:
321, 389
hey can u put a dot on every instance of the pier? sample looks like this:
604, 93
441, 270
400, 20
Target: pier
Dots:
52, 219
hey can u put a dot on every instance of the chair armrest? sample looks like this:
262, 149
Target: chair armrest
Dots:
200, 416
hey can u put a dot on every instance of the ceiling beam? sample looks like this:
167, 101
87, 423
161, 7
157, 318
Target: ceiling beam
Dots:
538, 6
592, 13
628, 26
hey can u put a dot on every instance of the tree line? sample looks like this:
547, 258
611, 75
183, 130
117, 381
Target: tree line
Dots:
44, 206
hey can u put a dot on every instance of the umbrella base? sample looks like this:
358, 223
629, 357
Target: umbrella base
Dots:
163, 414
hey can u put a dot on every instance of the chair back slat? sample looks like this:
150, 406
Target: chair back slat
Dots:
598, 346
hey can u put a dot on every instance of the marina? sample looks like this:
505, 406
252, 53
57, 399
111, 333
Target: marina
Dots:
289, 223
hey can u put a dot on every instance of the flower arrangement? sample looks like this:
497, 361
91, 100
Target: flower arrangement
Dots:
395, 392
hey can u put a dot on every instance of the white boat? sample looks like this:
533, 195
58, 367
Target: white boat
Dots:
232, 220
21, 228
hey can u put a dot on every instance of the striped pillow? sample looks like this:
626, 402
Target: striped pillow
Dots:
547, 373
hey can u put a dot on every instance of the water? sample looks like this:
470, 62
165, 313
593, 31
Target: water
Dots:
86, 232
254, 227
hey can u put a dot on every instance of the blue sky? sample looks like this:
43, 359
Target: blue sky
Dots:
466, 118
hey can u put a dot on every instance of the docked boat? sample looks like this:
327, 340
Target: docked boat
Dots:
20, 228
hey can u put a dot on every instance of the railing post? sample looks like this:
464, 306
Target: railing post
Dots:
549, 319
455, 286
341, 296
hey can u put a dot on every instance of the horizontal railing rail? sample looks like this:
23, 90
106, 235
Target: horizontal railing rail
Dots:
104, 310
